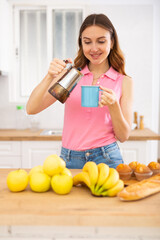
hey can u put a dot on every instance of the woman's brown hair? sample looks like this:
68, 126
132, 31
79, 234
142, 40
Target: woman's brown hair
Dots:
116, 57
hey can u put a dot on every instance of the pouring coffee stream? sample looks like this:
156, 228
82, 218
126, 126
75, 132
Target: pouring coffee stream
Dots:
62, 88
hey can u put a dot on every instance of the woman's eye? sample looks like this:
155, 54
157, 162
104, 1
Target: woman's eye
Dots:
87, 42
101, 42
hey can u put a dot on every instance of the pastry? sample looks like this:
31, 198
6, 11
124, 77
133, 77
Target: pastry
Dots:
140, 189
142, 172
155, 167
133, 166
124, 171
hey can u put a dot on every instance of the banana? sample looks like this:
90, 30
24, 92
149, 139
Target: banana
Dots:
80, 178
110, 181
103, 172
92, 169
112, 192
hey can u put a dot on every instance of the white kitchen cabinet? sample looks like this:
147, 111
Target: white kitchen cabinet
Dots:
135, 151
10, 154
27, 154
35, 152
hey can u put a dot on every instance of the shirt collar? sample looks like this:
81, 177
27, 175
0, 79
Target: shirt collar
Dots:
111, 73
85, 70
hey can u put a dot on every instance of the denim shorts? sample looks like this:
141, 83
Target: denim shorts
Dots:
109, 154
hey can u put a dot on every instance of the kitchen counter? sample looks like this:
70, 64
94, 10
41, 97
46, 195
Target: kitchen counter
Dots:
27, 135
76, 215
77, 208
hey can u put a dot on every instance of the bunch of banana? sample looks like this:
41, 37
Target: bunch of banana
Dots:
100, 179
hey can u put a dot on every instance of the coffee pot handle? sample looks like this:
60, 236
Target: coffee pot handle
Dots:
70, 66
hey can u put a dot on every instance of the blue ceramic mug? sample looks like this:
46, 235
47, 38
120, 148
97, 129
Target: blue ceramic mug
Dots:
90, 96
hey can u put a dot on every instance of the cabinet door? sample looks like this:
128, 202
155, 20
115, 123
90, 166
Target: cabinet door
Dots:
135, 151
10, 154
35, 152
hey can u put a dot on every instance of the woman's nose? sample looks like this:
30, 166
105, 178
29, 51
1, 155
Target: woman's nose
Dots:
94, 47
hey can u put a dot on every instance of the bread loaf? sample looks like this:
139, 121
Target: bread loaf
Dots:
141, 189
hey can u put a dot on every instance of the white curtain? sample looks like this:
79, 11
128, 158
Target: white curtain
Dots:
33, 49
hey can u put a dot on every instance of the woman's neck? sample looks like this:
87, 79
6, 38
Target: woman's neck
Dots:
100, 68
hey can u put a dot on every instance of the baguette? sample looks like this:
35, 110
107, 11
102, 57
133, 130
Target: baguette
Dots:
140, 189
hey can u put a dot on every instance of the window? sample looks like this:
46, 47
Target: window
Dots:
66, 25
40, 34
32, 49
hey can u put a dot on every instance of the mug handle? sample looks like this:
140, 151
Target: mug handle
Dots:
100, 90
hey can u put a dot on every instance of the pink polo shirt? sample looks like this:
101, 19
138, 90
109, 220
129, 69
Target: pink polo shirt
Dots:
87, 128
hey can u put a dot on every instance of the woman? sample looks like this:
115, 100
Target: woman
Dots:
91, 134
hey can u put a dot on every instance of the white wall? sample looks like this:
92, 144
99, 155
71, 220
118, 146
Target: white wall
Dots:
138, 27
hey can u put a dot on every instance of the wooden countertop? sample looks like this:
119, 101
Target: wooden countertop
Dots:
27, 135
78, 208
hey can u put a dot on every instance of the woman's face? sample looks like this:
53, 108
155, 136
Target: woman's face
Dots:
96, 44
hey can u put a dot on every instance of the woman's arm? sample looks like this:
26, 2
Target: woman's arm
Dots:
121, 113
40, 99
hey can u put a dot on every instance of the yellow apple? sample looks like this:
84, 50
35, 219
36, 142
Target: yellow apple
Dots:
38, 168
66, 171
62, 183
40, 182
53, 164
17, 180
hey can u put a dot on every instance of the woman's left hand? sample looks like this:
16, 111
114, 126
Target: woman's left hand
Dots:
108, 97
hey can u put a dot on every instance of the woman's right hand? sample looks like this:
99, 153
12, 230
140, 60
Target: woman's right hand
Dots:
56, 67
40, 99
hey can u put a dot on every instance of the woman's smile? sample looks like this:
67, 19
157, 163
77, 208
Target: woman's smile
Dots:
95, 56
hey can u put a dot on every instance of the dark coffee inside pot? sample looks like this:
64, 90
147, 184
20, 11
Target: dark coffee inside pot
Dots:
59, 92
62, 88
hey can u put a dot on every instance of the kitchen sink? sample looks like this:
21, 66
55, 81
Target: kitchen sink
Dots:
50, 132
